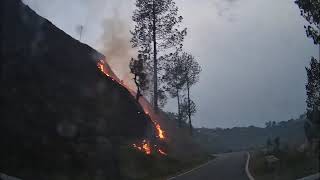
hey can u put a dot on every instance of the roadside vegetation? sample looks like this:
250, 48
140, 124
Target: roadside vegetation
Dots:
293, 164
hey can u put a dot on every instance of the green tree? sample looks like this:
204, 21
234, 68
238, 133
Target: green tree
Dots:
157, 30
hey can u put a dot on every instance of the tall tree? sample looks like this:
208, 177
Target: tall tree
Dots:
174, 80
140, 77
312, 126
156, 28
191, 71
188, 107
310, 10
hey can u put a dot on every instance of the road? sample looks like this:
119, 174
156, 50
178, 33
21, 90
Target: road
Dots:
228, 166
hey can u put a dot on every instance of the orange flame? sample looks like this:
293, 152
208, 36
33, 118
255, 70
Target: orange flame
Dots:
160, 131
145, 146
101, 67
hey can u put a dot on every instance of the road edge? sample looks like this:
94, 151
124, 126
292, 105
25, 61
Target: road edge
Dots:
247, 167
190, 170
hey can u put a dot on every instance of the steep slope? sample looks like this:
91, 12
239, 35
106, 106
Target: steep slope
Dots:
57, 106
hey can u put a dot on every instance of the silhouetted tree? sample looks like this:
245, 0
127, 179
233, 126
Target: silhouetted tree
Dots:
156, 29
310, 10
191, 71
174, 80
187, 107
140, 77
313, 100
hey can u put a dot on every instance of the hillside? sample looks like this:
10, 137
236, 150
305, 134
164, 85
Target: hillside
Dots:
59, 112
291, 133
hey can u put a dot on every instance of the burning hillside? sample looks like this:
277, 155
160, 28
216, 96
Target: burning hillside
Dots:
145, 146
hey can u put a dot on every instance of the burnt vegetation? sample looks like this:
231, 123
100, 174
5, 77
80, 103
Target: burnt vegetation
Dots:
60, 114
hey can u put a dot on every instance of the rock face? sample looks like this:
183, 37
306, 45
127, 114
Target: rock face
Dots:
56, 106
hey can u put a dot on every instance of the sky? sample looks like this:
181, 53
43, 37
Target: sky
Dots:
253, 53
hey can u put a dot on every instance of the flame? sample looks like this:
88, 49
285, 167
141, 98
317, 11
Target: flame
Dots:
146, 148
145, 145
160, 131
101, 67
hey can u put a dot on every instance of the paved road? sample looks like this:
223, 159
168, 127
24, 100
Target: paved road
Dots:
229, 166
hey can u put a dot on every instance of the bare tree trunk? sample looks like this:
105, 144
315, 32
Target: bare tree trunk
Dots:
138, 94
179, 111
189, 110
155, 62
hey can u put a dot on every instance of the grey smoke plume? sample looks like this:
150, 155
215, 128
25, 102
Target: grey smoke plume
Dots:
116, 45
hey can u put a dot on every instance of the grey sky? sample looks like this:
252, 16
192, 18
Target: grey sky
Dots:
252, 52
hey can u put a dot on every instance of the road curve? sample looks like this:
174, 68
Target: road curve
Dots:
228, 166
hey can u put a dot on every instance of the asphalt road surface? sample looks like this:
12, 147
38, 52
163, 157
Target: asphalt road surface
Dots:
229, 166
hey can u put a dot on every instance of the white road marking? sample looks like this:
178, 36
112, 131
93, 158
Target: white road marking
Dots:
247, 167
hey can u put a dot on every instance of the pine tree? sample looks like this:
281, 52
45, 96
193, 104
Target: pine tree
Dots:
174, 80
157, 30
310, 10
312, 127
191, 71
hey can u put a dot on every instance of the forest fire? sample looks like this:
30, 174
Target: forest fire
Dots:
102, 68
145, 145
157, 125
160, 132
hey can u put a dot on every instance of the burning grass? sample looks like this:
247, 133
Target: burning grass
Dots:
145, 146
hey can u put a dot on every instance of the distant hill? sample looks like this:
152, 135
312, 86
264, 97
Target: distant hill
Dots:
291, 133
59, 112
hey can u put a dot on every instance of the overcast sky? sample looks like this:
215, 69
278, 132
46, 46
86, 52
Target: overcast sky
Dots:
253, 53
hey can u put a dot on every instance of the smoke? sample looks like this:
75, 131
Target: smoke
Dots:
104, 24
116, 45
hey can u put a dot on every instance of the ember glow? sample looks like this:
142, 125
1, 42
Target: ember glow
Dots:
102, 68
160, 132
144, 146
